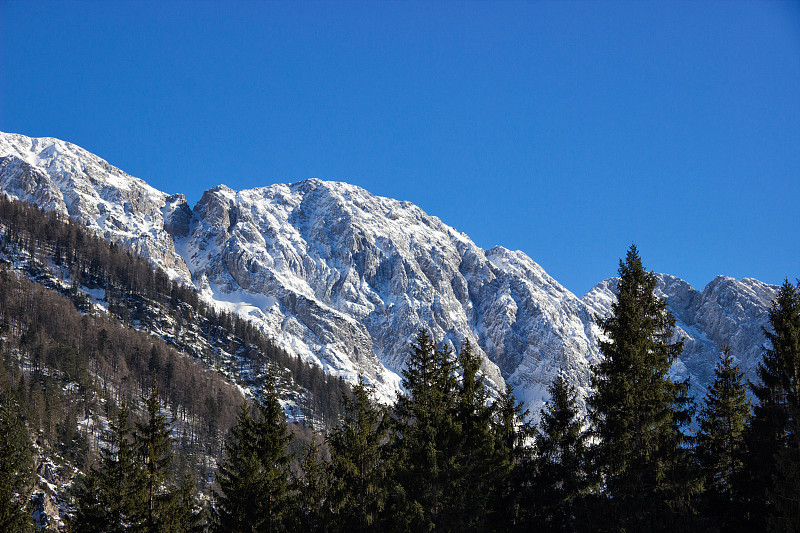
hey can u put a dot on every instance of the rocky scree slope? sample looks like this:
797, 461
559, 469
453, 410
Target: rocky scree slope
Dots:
345, 279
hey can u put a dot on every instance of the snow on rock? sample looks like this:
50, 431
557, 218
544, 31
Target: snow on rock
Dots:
346, 279
727, 312
60, 176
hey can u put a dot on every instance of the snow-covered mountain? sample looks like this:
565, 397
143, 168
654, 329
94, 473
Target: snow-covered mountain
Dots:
346, 279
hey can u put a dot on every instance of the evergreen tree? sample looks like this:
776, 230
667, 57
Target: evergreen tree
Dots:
111, 498
511, 497
475, 474
720, 441
636, 410
91, 511
15, 469
313, 492
426, 438
236, 508
358, 464
773, 436
271, 448
561, 478
254, 478
153, 443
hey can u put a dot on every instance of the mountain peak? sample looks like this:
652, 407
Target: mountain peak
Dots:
346, 279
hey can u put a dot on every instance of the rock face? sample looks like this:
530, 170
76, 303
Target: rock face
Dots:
727, 312
60, 176
346, 279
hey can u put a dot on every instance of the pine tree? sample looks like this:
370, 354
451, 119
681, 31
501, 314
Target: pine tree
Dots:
272, 451
561, 477
773, 436
91, 506
358, 463
636, 410
720, 441
426, 435
236, 508
15, 469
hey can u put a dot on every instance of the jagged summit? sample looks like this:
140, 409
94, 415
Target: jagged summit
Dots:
346, 279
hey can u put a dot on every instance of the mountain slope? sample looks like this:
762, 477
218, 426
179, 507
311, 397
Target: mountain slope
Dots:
345, 279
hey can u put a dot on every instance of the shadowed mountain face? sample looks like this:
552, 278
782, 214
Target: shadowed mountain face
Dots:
346, 279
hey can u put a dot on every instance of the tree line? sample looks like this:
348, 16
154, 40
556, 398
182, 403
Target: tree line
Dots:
445, 457
143, 296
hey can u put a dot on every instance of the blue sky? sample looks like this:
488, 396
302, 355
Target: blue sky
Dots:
567, 130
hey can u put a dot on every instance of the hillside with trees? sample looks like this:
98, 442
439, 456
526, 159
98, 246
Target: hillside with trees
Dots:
160, 439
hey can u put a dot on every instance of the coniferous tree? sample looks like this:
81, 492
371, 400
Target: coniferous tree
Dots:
312, 486
511, 498
15, 470
111, 497
476, 477
773, 436
153, 442
236, 506
561, 477
91, 511
272, 451
426, 436
254, 478
637, 411
720, 442
358, 464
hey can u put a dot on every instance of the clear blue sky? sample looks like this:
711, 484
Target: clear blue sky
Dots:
567, 130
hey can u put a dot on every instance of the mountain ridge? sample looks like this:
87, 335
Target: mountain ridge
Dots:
345, 279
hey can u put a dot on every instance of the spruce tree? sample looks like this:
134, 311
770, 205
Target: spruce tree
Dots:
153, 442
637, 411
426, 436
312, 487
236, 505
111, 497
15, 469
475, 478
511, 499
773, 436
720, 441
358, 464
561, 477
272, 450
254, 478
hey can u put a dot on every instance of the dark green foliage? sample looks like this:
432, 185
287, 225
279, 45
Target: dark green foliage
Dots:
512, 500
637, 411
92, 512
254, 478
238, 477
271, 448
312, 486
15, 469
561, 477
772, 481
359, 470
155, 457
475, 477
426, 438
111, 497
720, 442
